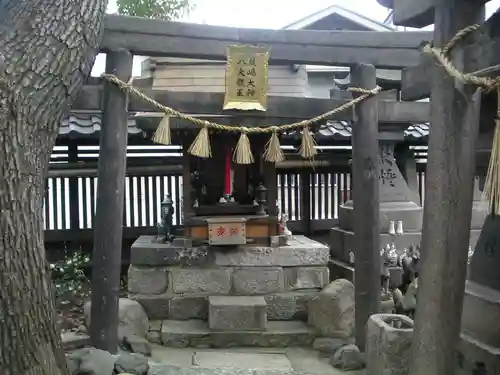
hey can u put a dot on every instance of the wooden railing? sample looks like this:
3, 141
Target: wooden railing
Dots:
310, 198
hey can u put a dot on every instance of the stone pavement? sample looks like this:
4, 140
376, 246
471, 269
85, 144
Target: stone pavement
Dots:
240, 361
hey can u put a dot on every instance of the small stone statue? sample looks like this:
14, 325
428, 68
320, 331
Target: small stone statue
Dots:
406, 303
409, 262
198, 188
389, 259
283, 229
351, 257
470, 254
166, 225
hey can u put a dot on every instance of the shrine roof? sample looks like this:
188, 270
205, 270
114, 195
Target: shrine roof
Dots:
89, 124
82, 124
343, 129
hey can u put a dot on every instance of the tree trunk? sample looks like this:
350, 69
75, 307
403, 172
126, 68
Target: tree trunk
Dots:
47, 49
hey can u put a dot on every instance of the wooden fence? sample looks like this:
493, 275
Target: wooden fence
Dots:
310, 197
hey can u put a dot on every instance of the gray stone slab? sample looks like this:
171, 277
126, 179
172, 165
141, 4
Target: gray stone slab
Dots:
300, 251
230, 313
255, 361
473, 353
289, 305
480, 314
183, 308
485, 263
196, 334
305, 361
258, 280
146, 252
172, 356
185, 333
200, 281
306, 277
278, 335
168, 306
166, 369
147, 280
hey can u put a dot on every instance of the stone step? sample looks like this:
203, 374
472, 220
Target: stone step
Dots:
237, 313
197, 334
280, 306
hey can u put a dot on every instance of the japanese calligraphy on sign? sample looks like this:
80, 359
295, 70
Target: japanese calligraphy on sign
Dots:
227, 233
246, 78
387, 162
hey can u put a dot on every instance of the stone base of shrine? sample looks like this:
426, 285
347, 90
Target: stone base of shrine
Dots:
480, 345
198, 334
477, 357
341, 242
245, 295
343, 270
409, 213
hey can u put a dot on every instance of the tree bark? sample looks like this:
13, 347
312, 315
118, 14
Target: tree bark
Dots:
47, 49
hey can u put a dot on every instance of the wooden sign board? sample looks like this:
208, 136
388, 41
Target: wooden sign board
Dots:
226, 231
246, 78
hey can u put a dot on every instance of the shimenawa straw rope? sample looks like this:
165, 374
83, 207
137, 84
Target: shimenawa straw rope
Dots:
243, 154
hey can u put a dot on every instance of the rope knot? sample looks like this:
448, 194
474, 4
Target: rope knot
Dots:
244, 129
427, 48
274, 129
360, 90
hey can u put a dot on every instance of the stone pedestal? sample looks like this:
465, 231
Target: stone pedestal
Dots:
230, 313
397, 203
480, 344
241, 295
388, 344
479, 212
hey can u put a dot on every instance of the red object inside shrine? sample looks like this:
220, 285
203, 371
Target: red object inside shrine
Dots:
227, 173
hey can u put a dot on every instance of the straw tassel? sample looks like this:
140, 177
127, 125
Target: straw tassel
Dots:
307, 149
274, 153
201, 144
243, 152
492, 183
162, 134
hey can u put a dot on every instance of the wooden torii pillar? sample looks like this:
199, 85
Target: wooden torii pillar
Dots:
108, 224
365, 166
448, 204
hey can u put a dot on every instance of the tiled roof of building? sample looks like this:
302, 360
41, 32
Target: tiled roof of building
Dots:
342, 129
88, 124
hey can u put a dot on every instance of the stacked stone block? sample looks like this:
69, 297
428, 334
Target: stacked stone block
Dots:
233, 289
171, 286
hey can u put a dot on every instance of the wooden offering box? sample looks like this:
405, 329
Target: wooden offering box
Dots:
232, 230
